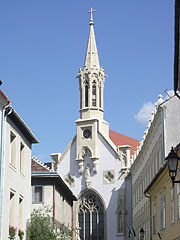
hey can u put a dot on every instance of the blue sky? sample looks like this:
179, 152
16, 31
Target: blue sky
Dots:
43, 43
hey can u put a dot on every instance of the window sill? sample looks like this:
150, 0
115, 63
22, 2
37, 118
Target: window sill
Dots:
13, 167
22, 175
37, 202
119, 234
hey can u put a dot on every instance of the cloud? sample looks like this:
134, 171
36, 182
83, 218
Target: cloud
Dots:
144, 113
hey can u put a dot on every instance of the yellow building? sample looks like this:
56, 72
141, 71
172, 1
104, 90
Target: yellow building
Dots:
164, 206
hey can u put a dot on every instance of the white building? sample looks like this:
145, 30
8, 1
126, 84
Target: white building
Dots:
163, 132
94, 163
16, 142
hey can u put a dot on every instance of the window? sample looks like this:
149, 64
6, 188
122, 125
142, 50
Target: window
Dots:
91, 217
86, 94
13, 149
22, 152
94, 94
120, 222
21, 212
178, 200
12, 208
100, 97
172, 205
154, 218
37, 194
162, 213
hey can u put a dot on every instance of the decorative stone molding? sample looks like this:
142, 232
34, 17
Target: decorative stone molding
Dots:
88, 176
69, 179
80, 165
108, 177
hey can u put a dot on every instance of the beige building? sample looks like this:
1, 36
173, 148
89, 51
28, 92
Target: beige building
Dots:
164, 206
163, 132
48, 189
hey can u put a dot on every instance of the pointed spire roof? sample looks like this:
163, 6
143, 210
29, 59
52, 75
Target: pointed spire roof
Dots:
91, 59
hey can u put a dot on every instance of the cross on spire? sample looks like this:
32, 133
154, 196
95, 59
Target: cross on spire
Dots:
91, 12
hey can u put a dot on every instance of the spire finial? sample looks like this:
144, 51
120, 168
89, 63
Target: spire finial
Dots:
91, 12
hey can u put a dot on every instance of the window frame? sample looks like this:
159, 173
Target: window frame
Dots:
34, 201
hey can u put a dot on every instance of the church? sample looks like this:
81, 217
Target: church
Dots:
95, 163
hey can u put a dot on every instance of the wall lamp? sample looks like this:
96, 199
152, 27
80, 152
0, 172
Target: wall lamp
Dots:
141, 233
172, 160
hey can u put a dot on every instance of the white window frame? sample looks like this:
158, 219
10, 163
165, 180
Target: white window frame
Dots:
162, 212
178, 200
172, 205
154, 218
34, 201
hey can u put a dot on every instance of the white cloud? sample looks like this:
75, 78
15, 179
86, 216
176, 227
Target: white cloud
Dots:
144, 113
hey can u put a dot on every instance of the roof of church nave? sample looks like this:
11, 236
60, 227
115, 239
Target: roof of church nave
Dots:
120, 139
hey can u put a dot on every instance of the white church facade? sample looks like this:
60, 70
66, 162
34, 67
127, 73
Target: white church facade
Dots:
95, 163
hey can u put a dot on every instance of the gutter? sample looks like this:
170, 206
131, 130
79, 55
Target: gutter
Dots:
54, 202
2, 169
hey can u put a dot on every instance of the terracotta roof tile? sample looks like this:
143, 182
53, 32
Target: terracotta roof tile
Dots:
120, 139
37, 166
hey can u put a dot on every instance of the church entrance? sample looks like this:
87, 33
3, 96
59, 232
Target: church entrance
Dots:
91, 217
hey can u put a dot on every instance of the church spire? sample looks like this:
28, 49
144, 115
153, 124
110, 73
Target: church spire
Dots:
91, 60
91, 80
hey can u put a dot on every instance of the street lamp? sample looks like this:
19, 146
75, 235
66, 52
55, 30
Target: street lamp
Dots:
142, 234
172, 160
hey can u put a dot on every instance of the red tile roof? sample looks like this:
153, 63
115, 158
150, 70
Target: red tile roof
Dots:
120, 139
1, 92
37, 166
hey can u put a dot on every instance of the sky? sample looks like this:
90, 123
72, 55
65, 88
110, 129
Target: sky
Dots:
43, 44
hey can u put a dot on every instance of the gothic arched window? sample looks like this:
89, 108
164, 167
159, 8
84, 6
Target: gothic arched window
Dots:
86, 94
91, 217
100, 96
94, 94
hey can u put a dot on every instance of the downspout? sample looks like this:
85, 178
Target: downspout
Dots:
54, 203
3, 115
72, 222
176, 94
148, 196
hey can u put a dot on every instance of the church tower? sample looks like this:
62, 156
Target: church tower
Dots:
96, 161
91, 86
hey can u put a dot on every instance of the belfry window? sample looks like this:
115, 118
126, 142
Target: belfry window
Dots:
86, 94
91, 217
94, 94
100, 96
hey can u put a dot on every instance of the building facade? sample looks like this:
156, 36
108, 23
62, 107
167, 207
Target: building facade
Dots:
95, 163
164, 205
163, 132
16, 145
49, 190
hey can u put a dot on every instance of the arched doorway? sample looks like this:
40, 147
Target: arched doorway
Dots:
91, 217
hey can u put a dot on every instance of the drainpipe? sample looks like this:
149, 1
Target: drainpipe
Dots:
54, 203
72, 222
148, 196
3, 115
